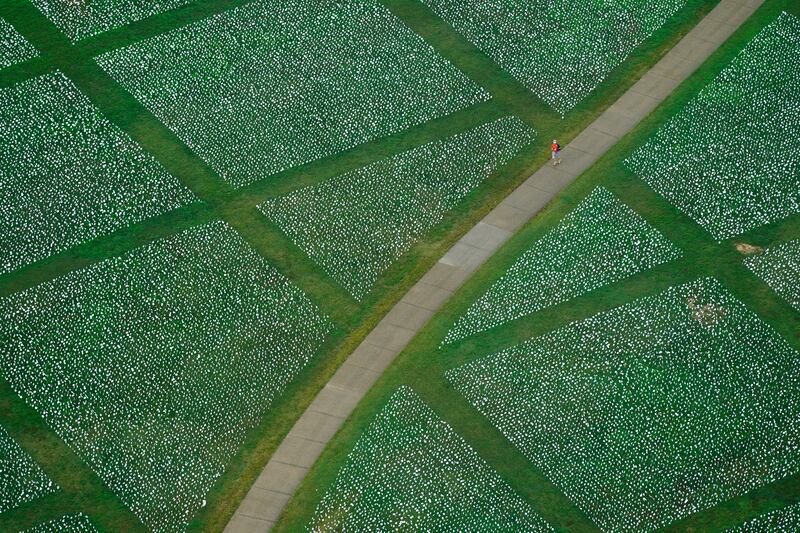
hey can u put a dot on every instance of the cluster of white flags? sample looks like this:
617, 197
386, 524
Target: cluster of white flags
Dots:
730, 159
13, 46
272, 85
785, 519
71, 523
601, 241
559, 49
83, 18
409, 471
779, 267
357, 224
21, 479
152, 365
637, 413
68, 175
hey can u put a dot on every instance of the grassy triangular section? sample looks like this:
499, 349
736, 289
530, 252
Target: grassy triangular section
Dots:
21, 479
71, 523
712, 160
779, 267
13, 46
784, 519
599, 242
410, 471
559, 49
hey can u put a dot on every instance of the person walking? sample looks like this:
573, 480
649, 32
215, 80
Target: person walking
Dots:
556, 153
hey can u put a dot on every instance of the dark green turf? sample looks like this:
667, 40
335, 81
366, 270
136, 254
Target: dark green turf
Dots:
423, 363
82, 489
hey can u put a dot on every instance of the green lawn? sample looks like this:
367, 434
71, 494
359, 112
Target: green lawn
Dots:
23, 479
13, 48
153, 365
601, 241
72, 523
357, 224
71, 175
79, 21
713, 160
779, 267
559, 49
785, 519
651, 411
440, 482
270, 86
82, 489
424, 364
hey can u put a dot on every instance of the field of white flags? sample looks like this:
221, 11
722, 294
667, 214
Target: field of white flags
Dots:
599, 242
152, 365
730, 159
21, 479
779, 267
68, 175
357, 224
272, 85
560, 49
651, 411
72, 523
783, 520
409, 471
80, 18
13, 46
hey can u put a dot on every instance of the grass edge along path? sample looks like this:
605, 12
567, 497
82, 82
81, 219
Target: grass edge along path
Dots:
298, 452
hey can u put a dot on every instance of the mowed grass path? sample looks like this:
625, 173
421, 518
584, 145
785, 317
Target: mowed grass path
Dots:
82, 490
424, 362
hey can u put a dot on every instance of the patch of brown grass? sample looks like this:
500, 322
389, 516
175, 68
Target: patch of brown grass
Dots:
748, 249
707, 314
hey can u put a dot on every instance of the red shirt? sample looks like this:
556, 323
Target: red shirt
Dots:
555, 147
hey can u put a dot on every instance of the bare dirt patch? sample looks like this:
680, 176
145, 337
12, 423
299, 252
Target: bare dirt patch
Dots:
708, 314
748, 249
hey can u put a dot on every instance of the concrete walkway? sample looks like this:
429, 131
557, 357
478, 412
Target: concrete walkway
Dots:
299, 450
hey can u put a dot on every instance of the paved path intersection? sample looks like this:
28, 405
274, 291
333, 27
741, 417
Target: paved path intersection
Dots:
299, 450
